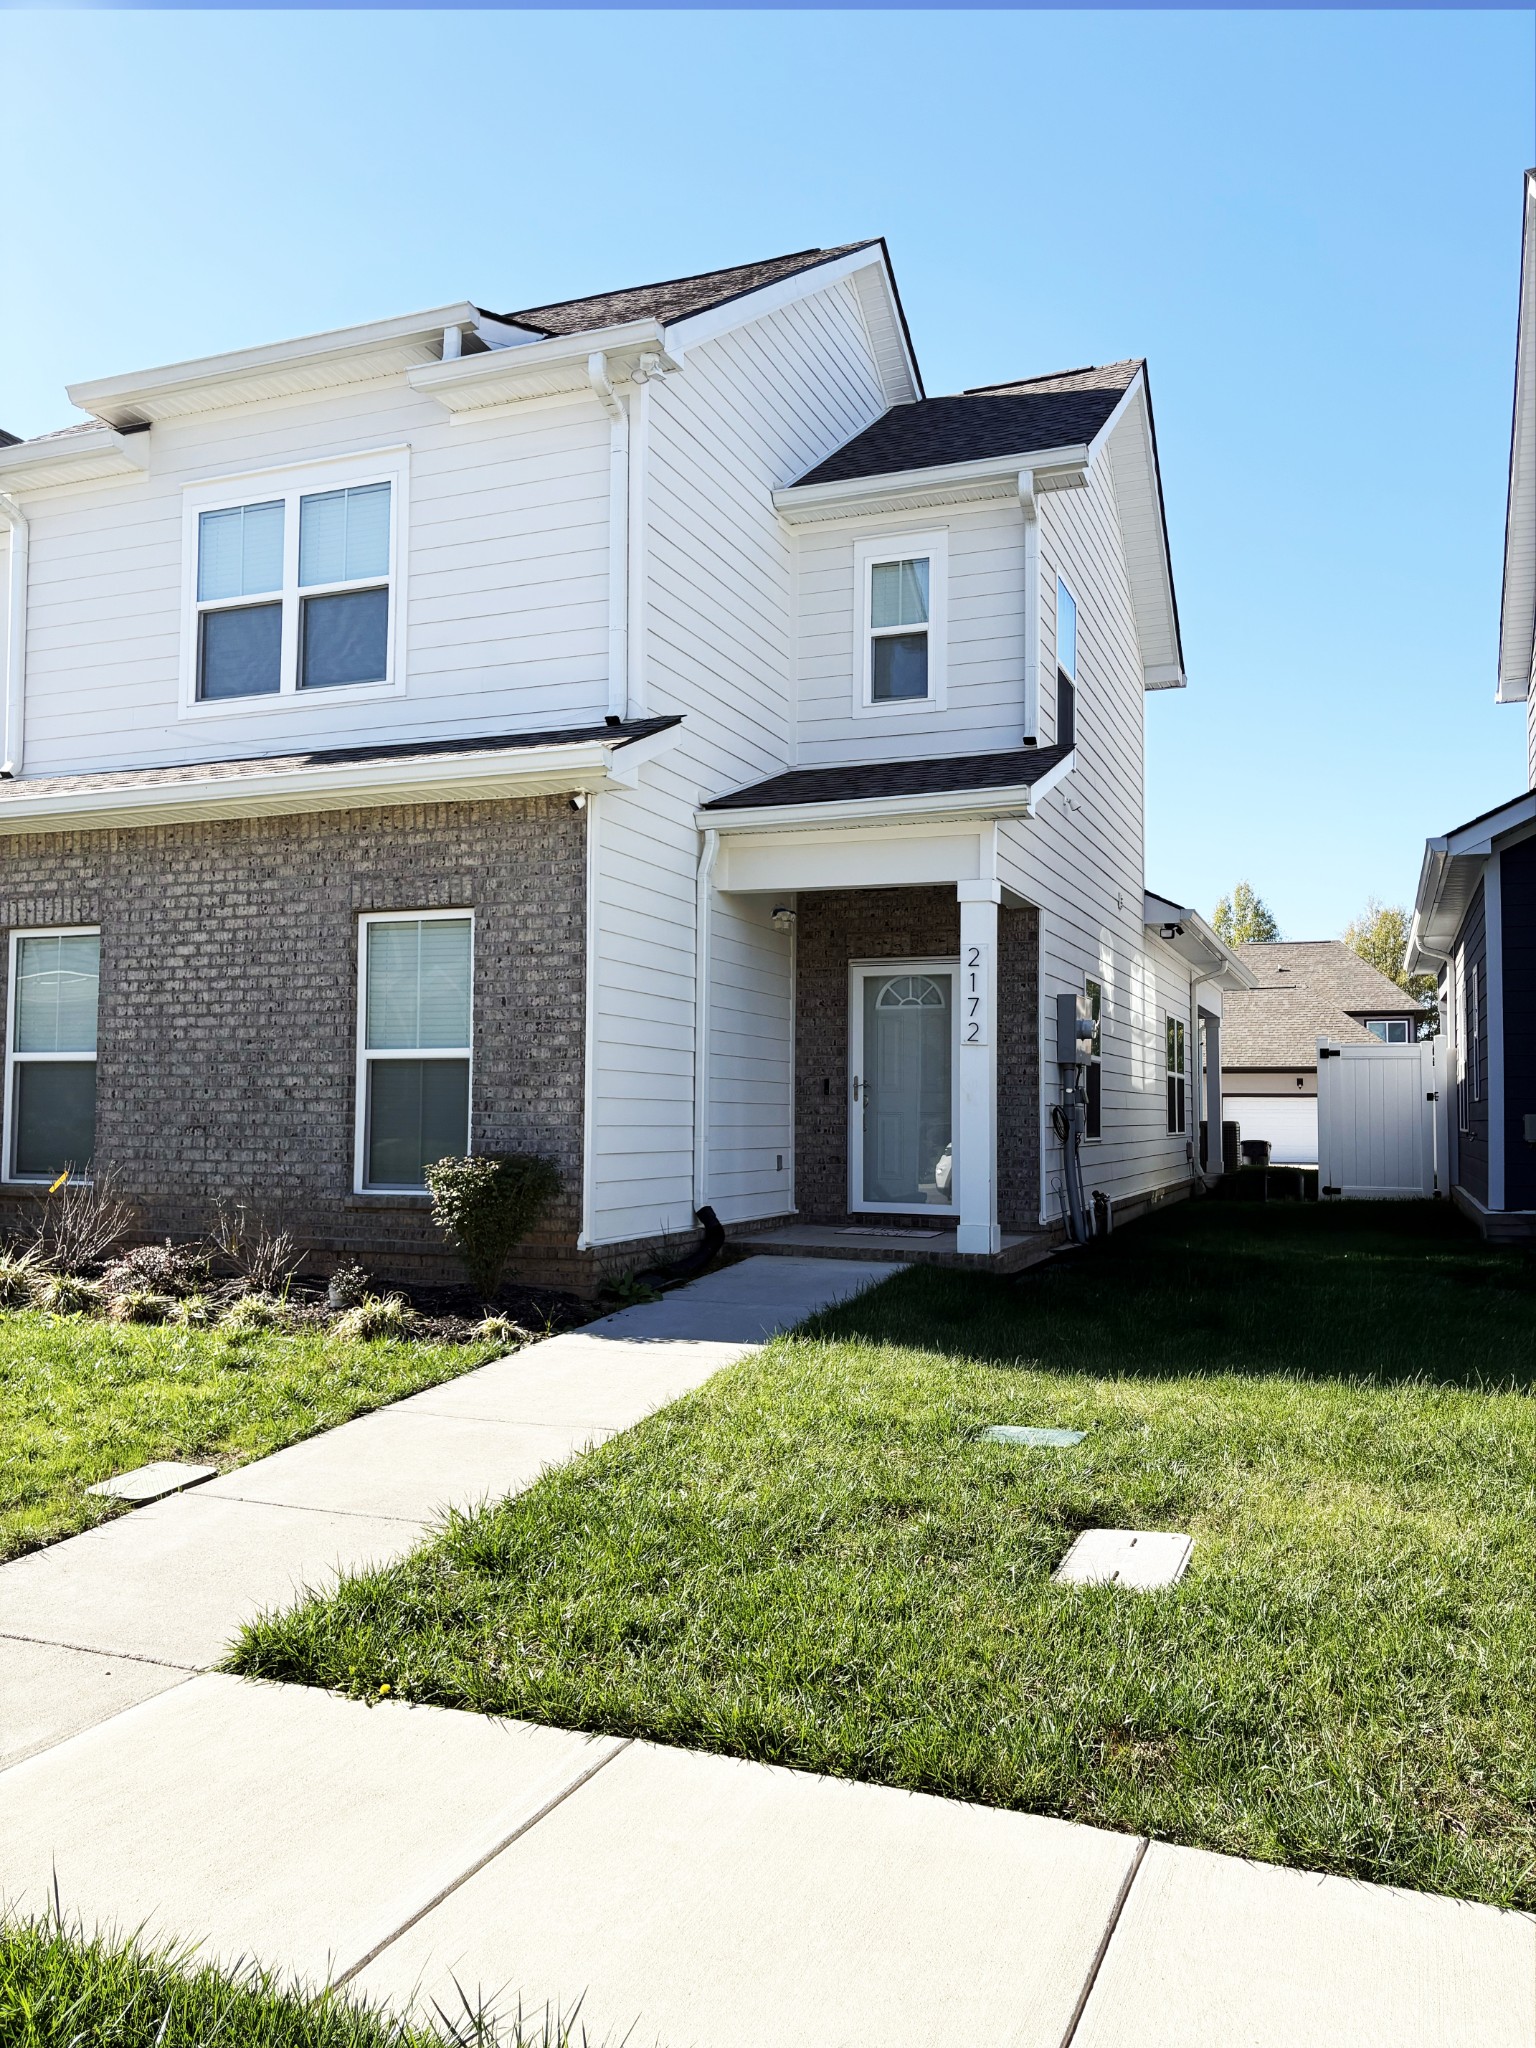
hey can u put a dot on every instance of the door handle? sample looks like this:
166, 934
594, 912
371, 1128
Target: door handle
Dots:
855, 1087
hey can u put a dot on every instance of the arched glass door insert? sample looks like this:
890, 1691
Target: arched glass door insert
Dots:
903, 1067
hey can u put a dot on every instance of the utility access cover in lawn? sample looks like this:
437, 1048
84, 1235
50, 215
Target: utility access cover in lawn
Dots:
1138, 1558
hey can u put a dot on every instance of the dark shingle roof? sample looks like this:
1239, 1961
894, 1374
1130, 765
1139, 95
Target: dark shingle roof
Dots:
673, 299
1023, 765
1001, 419
9, 440
618, 735
1308, 989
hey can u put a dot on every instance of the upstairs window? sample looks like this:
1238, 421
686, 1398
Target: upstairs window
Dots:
1176, 1078
51, 1054
903, 614
1390, 1030
416, 1005
1066, 666
292, 590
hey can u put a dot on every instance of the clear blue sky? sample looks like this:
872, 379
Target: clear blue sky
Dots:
1309, 223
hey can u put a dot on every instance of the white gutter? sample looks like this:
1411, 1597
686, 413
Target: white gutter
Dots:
1029, 504
1017, 800
704, 893
565, 767
1052, 468
618, 532
16, 637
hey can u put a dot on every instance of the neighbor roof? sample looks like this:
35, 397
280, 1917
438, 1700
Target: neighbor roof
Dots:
1021, 767
1307, 989
1058, 411
675, 298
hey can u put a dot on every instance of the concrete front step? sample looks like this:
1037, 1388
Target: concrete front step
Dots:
907, 1247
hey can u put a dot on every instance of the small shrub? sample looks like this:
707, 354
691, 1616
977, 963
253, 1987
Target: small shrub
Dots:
629, 1290
250, 1314
376, 1315
501, 1330
69, 1294
487, 1205
266, 1259
348, 1285
83, 1223
22, 1278
174, 1269
140, 1305
195, 1312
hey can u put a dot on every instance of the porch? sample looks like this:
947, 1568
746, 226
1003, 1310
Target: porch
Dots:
931, 1246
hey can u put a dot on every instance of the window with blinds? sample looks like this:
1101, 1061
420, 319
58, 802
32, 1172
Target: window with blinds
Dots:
51, 1054
415, 1037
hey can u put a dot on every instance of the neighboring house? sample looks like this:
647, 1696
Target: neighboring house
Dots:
644, 730
1474, 921
1304, 990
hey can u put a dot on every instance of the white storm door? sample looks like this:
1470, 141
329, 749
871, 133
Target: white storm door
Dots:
903, 1036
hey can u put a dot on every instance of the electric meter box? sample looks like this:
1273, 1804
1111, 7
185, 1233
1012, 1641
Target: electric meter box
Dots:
1074, 1029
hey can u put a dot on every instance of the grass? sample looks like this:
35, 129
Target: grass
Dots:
60, 1989
83, 1399
814, 1560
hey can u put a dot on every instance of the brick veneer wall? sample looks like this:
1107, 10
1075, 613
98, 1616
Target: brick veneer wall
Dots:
228, 1017
839, 925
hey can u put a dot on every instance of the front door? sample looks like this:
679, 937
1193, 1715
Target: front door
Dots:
903, 1034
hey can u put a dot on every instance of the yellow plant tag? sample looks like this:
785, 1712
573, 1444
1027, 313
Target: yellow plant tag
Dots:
64, 1176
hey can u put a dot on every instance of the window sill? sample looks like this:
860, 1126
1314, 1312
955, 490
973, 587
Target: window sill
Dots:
288, 700
386, 1198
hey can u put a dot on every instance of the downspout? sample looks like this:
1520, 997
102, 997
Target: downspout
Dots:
703, 921
618, 533
16, 637
1029, 505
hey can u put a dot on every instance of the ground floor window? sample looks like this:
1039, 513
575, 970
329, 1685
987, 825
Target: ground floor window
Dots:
415, 1005
51, 1053
1093, 1073
1176, 1077
1390, 1030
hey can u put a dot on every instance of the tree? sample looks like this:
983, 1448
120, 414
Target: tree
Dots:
1380, 936
1244, 916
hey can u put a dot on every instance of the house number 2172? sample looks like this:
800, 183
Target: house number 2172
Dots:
974, 966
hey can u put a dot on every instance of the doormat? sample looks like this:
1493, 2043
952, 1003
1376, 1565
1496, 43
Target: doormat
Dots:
1041, 1439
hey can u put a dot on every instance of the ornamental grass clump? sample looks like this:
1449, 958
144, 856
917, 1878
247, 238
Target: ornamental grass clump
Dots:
69, 1294
22, 1278
252, 1313
140, 1305
376, 1315
487, 1205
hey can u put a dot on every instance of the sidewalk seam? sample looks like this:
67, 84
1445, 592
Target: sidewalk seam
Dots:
1103, 1948
11, 1635
499, 1849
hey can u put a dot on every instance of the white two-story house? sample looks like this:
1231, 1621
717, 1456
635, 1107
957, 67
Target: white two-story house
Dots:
644, 730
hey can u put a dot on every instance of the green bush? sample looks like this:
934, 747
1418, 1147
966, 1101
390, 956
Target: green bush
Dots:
69, 1294
22, 1276
251, 1313
487, 1205
140, 1305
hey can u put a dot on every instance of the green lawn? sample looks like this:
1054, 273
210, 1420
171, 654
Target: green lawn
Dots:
814, 1561
82, 1399
58, 1990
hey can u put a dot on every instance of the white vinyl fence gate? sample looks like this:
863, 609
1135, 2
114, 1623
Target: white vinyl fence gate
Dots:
1376, 1121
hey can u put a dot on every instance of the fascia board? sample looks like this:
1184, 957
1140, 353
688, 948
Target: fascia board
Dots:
1479, 839
1133, 414
542, 771
1517, 607
694, 328
72, 459
957, 804
532, 369
173, 388
995, 476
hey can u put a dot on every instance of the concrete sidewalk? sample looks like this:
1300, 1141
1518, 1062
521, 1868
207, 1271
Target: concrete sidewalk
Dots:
682, 1898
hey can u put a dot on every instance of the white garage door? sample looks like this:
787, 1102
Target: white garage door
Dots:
1288, 1121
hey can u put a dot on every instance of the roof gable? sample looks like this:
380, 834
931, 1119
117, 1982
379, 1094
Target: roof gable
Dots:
675, 298
1307, 989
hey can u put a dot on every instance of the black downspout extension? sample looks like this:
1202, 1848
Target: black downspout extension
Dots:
699, 1260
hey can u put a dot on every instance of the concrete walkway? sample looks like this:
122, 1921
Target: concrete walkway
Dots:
683, 1899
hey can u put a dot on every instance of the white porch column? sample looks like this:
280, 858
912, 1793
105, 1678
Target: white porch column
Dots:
1213, 1109
975, 1155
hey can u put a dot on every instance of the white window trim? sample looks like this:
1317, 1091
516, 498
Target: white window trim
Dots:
1387, 1024
365, 1057
13, 1058
903, 547
263, 486
1176, 1073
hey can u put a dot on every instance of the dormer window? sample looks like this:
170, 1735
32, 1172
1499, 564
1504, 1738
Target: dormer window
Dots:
1390, 1030
1066, 666
903, 621
292, 587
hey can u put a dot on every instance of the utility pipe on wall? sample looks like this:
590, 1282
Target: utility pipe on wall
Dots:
618, 533
1030, 507
16, 636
